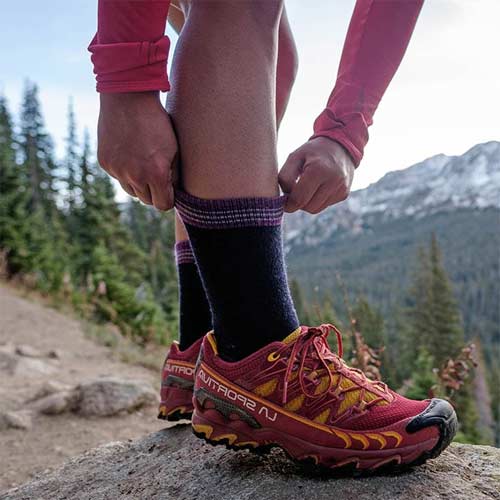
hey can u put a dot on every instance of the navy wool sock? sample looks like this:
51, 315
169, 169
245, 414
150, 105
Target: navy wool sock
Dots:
195, 319
239, 251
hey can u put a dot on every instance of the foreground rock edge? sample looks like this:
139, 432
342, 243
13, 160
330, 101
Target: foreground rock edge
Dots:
173, 463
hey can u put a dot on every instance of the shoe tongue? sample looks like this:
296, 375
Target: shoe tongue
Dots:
292, 337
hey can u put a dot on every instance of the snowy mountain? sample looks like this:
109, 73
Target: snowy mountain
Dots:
439, 184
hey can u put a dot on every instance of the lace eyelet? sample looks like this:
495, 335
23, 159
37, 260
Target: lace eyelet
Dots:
273, 357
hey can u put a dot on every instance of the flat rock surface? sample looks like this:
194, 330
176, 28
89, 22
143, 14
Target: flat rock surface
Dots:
173, 464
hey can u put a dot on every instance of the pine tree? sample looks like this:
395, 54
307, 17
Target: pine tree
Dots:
32, 234
423, 378
13, 199
370, 323
446, 320
433, 313
437, 334
421, 326
84, 164
37, 153
71, 159
153, 232
327, 311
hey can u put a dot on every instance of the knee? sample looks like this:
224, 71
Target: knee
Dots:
262, 13
257, 19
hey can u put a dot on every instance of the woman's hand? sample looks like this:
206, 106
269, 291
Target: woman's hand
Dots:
137, 146
316, 175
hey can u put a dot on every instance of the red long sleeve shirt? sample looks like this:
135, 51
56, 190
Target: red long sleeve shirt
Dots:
129, 53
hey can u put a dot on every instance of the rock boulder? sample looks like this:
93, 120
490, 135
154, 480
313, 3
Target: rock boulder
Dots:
173, 464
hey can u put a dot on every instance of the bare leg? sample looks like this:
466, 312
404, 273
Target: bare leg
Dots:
180, 230
223, 98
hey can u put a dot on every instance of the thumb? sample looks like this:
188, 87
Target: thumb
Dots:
291, 171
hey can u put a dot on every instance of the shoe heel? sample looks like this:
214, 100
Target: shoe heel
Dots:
176, 404
208, 425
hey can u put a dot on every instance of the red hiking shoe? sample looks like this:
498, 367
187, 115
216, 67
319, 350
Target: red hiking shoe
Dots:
298, 395
177, 380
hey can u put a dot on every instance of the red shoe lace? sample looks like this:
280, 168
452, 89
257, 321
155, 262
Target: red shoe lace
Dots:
311, 348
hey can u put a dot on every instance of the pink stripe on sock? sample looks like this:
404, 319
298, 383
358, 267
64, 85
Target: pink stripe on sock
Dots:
229, 213
184, 253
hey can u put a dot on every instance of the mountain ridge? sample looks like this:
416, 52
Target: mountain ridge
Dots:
438, 183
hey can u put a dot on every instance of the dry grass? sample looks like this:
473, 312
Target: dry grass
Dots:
126, 350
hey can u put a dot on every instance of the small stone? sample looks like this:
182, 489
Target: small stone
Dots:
28, 351
8, 362
33, 367
20, 419
48, 388
109, 396
55, 354
7, 348
56, 403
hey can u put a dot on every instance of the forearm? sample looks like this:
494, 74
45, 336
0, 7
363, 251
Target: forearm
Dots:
129, 50
378, 35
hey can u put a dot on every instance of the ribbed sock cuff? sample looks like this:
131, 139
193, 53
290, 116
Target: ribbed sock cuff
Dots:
184, 253
230, 212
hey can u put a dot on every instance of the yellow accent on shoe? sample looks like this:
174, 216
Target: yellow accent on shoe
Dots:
344, 436
292, 337
350, 399
213, 342
203, 429
266, 388
395, 435
230, 437
379, 438
353, 397
273, 357
361, 438
182, 409
323, 416
295, 404
323, 385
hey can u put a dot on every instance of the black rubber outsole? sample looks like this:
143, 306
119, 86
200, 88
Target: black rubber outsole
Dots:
176, 416
437, 413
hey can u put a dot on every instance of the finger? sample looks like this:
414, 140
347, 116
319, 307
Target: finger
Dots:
319, 199
162, 195
128, 189
143, 193
304, 190
336, 197
290, 172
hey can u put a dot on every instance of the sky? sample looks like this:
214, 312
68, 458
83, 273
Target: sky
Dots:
444, 99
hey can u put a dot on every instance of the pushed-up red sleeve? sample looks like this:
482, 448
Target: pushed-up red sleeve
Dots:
377, 38
130, 49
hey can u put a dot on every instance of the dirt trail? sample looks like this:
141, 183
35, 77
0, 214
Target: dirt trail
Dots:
53, 439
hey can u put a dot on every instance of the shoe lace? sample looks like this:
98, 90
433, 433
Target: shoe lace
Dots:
311, 351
